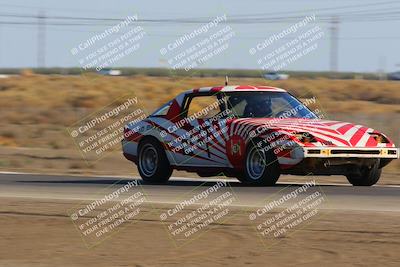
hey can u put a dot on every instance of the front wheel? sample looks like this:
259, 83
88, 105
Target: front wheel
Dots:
261, 167
366, 177
153, 164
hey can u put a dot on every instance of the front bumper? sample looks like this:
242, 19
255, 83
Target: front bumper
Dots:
350, 152
129, 150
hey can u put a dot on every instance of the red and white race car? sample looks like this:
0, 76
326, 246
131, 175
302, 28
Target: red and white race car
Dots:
253, 133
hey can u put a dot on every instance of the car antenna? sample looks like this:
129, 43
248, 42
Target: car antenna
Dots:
226, 80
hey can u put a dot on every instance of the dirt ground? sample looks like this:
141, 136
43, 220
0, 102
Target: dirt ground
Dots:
39, 233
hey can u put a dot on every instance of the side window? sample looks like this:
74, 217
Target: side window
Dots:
163, 110
203, 107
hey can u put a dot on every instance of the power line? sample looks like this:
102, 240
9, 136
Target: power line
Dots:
349, 16
304, 11
381, 13
323, 9
393, 16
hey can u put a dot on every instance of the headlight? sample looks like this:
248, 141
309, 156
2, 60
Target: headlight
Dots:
379, 138
305, 137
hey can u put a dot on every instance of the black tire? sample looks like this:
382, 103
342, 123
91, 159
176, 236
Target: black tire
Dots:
367, 177
268, 172
153, 164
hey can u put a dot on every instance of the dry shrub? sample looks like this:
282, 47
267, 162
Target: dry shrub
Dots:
7, 141
27, 73
45, 102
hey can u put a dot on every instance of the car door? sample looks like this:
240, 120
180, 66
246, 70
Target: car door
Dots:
202, 132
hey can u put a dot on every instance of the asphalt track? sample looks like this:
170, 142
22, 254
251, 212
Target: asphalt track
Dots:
60, 187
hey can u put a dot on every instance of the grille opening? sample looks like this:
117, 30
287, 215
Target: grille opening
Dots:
355, 151
314, 151
392, 152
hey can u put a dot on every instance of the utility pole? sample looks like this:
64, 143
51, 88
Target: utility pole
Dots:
41, 40
334, 56
1, 63
382, 68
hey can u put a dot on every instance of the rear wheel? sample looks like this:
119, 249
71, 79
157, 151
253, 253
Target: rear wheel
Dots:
153, 164
261, 166
368, 176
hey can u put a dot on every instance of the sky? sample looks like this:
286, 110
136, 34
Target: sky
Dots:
368, 35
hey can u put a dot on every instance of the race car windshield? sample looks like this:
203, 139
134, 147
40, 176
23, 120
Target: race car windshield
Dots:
267, 105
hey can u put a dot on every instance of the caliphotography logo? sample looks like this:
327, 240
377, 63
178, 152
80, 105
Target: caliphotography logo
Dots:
198, 212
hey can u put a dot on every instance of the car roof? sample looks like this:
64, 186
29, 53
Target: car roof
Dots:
179, 100
234, 88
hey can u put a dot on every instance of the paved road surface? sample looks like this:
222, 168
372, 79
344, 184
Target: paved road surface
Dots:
338, 197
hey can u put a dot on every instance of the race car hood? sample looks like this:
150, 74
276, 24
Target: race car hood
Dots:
326, 132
